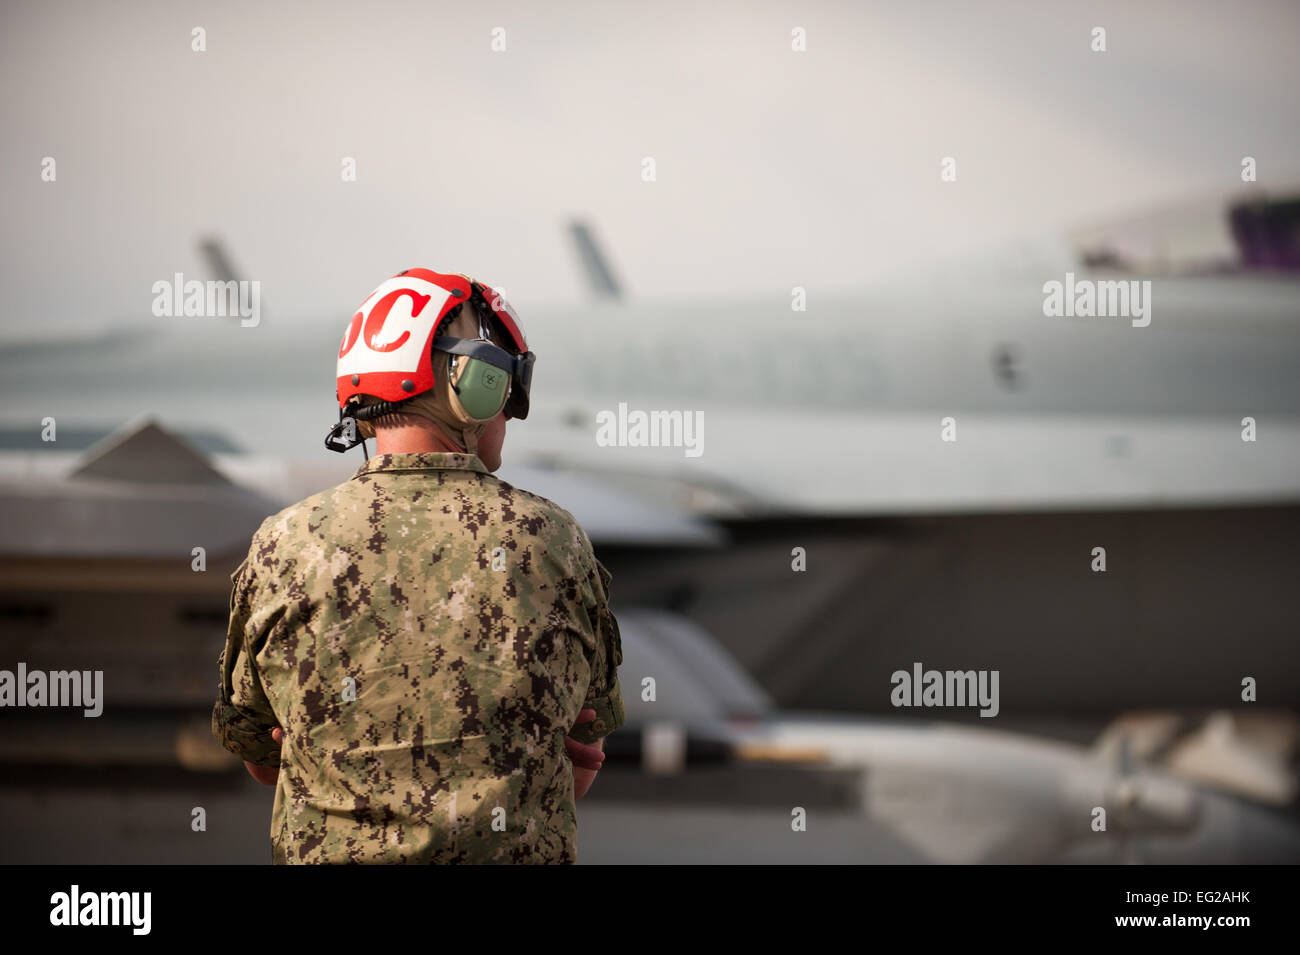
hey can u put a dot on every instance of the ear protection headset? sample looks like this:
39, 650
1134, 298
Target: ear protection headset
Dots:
484, 377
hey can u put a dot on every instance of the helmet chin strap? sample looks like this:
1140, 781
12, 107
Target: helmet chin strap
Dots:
468, 436
471, 440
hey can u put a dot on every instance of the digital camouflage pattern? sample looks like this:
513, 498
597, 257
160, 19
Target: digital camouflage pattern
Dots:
425, 634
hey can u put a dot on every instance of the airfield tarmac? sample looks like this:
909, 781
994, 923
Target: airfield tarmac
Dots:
149, 823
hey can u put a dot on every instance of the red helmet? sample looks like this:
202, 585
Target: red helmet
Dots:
387, 349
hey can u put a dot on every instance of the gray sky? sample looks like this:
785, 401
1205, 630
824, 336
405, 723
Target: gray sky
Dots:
774, 168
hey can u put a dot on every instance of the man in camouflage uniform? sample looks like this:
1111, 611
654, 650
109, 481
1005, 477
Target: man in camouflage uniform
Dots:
426, 636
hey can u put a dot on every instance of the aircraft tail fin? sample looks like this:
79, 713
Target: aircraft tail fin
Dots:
214, 255
599, 276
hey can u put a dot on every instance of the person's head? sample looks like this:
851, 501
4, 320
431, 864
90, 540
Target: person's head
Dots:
477, 373
433, 418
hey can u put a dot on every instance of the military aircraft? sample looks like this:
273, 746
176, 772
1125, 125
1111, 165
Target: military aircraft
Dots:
823, 437
896, 429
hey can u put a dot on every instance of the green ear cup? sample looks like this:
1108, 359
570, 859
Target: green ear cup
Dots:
482, 389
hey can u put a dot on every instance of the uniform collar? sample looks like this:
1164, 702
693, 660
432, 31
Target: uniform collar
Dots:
423, 461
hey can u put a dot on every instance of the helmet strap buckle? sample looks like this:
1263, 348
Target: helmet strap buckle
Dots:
345, 435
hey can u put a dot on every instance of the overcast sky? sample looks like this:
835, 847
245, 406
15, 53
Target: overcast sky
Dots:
774, 168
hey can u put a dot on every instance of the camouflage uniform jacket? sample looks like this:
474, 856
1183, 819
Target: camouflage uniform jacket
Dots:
425, 634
